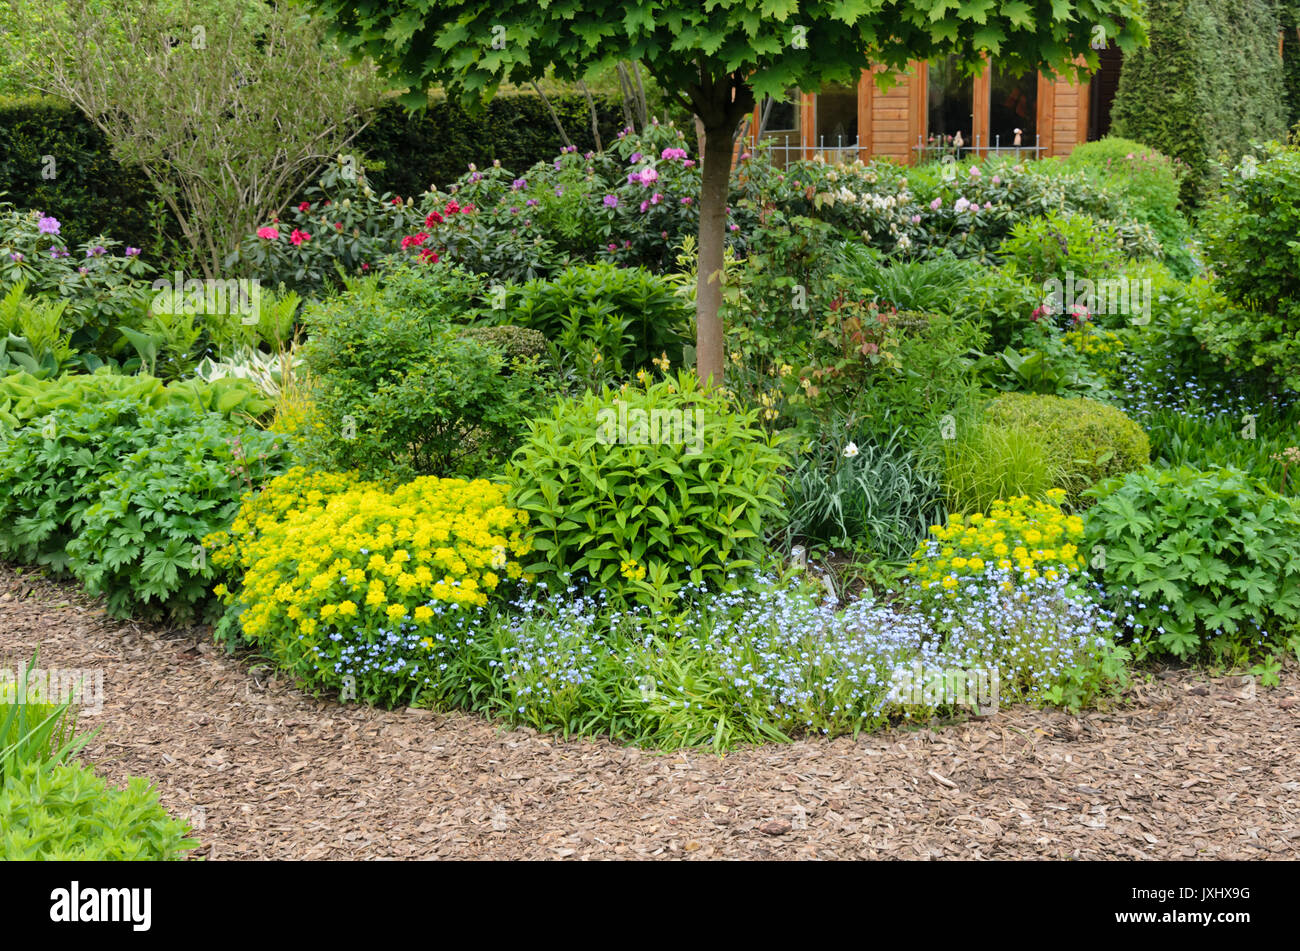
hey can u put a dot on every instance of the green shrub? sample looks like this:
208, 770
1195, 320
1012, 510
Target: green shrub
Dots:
1087, 440
1045, 248
397, 394
1150, 183
602, 316
1206, 554
1001, 301
121, 496
1210, 82
90, 192
139, 542
933, 376
873, 497
515, 343
1251, 238
64, 812
644, 490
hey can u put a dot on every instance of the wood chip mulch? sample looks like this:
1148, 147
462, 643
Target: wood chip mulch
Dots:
1192, 766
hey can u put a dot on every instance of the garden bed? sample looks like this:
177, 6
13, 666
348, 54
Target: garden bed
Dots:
1191, 766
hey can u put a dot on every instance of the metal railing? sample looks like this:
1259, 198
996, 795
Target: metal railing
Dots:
937, 151
790, 148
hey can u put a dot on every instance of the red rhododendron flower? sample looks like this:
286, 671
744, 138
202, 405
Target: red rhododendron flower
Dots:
414, 240
397, 200
299, 237
433, 219
429, 255
467, 209
338, 226
304, 206
267, 234
452, 207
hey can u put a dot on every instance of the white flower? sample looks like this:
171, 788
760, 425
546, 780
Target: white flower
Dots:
850, 450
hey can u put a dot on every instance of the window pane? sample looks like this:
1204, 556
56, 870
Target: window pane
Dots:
1013, 104
837, 117
950, 104
782, 130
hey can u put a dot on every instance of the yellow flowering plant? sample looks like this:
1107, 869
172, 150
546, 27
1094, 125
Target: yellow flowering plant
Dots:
1024, 537
357, 587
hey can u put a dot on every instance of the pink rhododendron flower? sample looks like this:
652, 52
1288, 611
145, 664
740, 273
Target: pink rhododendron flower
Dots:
299, 237
267, 234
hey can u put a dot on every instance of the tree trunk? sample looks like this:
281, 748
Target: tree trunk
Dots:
715, 179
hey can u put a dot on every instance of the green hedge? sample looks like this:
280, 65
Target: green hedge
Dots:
434, 147
1209, 82
93, 194
1290, 16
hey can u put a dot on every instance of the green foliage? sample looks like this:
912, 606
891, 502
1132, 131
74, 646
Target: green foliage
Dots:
409, 152
139, 542
515, 343
602, 319
398, 394
1150, 183
121, 495
99, 288
33, 728
1209, 83
1251, 234
983, 463
928, 286
1086, 440
90, 193
1048, 248
644, 490
25, 398
1289, 11
748, 38
873, 497
1202, 555
64, 812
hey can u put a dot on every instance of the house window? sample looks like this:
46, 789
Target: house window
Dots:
950, 108
1013, 105
781, 128
837, 120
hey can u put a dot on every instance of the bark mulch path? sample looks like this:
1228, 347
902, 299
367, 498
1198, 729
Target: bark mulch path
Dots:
1194, 766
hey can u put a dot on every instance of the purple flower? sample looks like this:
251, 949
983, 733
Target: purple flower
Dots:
612, 247
735, 227
648, 175
656, 198
689, 163
936, 204
634, 158
530, 202
518, 183
645, 205
611, 201
96, 251
132, 252
559, 191
960, 205
997, 180
514, 209
916, 219
48, 225
15, 256
686, 200
671, 154
83, 271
